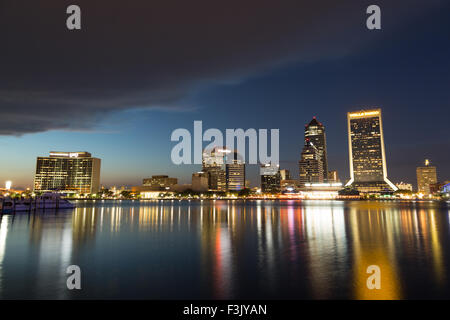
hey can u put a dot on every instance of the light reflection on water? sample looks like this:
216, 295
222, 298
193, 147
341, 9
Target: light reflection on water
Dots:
228, 249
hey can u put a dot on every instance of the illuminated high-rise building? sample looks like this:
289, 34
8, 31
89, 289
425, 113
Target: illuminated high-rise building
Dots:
315, 133
310, 164
213, 163
270, 178
426, 176
368, 172
75, 172
225, 168
235, 172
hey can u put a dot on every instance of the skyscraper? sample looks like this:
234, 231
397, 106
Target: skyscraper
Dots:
200, 181
315, 133
213, 163
426, 176
235, 172
368, 172
75, 172
270, 178
310, 164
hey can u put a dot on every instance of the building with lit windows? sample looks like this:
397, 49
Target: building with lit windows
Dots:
270, 178
368, 172
235, 172
159, 181
213, 163
310, 165
333, 176
325, 190
285, 174
315, 133
225, 169
71, 172
426, 176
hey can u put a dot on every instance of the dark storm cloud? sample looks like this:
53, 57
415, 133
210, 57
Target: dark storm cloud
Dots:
147, 54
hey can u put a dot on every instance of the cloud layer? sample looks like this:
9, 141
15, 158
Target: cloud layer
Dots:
147, 54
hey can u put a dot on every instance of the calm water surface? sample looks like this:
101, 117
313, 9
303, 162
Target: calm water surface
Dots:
228, 249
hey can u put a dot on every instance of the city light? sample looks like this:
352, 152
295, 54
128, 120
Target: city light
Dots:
364, 114
336, 184
8, 185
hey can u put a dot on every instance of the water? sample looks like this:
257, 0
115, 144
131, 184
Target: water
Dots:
228, 250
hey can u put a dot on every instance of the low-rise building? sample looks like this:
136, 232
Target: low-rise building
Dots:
162, 181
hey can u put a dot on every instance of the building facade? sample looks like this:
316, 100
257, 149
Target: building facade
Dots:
213, 163
315, 133
235, 172
74, 172
200, 181
333, 176
426, 176
368, 172
285, 174
439, 187
289, 185
159, 181
270, 178
225, 169
310, 165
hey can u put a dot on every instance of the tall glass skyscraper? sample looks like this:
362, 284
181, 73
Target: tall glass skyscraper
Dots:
76, 172
368, 171
310, 165
315, 133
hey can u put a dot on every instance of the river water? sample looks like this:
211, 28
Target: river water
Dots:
228, 249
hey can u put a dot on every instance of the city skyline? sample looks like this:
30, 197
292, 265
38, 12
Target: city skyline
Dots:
284, 89
374, 169
256, 182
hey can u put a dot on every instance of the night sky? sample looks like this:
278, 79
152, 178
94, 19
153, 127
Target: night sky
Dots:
140, 69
